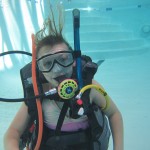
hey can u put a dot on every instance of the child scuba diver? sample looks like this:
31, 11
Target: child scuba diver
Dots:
78, 123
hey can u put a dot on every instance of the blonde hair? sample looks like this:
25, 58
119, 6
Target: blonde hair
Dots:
51, 26
51, 33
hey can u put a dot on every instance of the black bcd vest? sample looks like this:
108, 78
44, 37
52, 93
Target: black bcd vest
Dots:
99, 130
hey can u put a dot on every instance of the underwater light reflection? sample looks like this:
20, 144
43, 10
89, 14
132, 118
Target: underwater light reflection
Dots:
5, 62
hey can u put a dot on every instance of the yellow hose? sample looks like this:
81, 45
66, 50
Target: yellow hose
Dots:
100, 90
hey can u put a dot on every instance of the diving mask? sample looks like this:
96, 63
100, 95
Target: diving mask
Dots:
47, 62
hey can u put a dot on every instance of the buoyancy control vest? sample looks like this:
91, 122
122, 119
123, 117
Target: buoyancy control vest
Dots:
98, 132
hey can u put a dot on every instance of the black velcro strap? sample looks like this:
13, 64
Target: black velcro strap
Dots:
61, 118
77, 54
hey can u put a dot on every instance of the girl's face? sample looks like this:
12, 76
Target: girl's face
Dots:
55, 62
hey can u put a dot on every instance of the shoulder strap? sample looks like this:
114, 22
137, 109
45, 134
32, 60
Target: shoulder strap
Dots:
26, 79
61, 118
89, 71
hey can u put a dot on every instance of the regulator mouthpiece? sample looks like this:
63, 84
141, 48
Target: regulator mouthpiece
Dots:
67, 88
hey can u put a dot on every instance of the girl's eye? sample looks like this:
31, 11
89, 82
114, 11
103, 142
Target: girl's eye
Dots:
47, 64
64, 57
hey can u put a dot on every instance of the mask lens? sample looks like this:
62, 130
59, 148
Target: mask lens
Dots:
63, 58
45, 64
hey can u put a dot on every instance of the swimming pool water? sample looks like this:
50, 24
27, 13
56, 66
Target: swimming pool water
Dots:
124, 75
